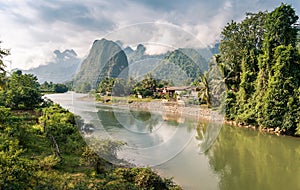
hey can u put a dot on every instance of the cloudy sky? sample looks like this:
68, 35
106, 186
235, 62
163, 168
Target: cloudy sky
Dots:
34, 29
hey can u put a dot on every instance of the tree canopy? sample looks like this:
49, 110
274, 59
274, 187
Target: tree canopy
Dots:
260, 62
22, 91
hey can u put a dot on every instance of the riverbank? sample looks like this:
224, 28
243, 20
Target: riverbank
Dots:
234, 147
49, 152
172, 109
178, 109
276, 131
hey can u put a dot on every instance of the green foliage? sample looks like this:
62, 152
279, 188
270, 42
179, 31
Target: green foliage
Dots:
203, 84
27, 160
279, 30
51, 87
181, 67
83, 87
22, 92
146, 87
239, 48
15, 172
101, 153
281, 91
145, 178
3, 53
61, 124
261, 65
184, 62
106, 85
60, 88
4, 114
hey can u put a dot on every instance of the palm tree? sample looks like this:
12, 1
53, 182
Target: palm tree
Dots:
204, 88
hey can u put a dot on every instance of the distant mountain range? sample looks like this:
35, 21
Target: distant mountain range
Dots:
181, 66
61, 69
107, 59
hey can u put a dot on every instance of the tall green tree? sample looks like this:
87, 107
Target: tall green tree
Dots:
3, 53
203, 84
240, 47
279, 105
230, 48
260, 62
279, 30
22, 92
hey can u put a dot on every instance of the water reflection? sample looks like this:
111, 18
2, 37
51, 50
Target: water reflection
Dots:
151, 138
238, 158
207, 133
245, 159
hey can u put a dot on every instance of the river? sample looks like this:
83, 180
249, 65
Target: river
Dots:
198, 154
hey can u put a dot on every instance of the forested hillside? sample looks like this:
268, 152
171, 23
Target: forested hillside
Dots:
259, 58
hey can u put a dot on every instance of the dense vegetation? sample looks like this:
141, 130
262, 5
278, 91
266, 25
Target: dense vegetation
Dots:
41, 146
21, 91
185, 64
119, 87
52, 87
260, 61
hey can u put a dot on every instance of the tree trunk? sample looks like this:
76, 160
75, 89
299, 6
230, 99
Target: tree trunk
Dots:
56, 148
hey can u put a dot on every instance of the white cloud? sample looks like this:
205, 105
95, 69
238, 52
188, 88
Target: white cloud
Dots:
34, 29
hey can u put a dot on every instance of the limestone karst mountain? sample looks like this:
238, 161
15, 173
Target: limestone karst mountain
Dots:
105, 60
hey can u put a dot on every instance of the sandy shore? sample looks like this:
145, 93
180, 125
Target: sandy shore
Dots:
175, 110
178, 111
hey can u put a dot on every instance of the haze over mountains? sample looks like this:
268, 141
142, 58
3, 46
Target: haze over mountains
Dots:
106, 59
61, 69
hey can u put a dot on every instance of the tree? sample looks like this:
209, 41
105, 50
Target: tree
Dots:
101, 153
15, 172
260, 62
51, 87
204, 88
279, 30
22, 92
230, 51
84, 87
146, 87
282, 89
60, 88
106, 85
240, 47
3, 53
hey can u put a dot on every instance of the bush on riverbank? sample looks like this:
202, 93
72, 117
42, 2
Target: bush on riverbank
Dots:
41, 146
44, 151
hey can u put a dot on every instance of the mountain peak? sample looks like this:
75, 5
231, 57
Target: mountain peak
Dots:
106, 59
